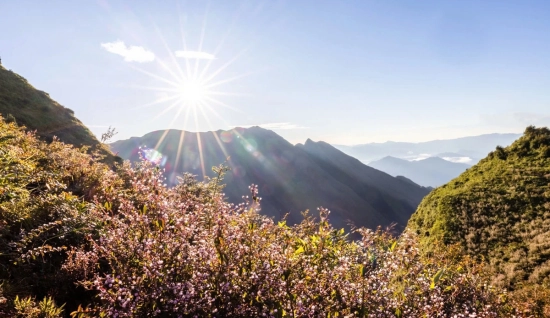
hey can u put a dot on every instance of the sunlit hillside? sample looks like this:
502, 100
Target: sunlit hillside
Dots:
499, 212
36, 110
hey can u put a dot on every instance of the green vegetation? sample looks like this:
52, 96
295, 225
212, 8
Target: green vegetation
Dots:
34, 109
499, 211
77, 238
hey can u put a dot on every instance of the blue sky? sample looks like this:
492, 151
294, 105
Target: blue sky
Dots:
345, 72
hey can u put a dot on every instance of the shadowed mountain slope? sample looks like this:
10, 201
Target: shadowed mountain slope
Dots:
290, 178
35, 110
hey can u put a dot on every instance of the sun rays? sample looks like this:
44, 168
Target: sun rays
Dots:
190, 90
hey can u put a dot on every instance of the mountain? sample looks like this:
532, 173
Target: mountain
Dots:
33, 108
465, 149
433, 171
499, 211
290, 178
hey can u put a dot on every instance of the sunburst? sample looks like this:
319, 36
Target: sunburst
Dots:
190, 88
193, 92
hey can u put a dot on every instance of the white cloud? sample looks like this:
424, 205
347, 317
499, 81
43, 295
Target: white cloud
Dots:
130, 53
466, 160
279, 126
419, 157
195, 55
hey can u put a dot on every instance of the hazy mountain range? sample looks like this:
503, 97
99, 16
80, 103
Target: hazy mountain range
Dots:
431, 163
432, 171
291, 178
467, 150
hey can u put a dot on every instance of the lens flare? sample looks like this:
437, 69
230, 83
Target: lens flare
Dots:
226, 136
153, 156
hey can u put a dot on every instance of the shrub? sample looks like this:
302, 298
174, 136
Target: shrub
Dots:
120, 243
186, 252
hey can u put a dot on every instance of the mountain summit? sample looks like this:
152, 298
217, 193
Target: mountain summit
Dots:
291, 178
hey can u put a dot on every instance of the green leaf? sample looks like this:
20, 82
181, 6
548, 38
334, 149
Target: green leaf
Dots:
362, 270
436, 278
299, 251
398, 312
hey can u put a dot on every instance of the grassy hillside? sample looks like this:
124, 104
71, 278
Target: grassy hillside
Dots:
499, 210
34, 109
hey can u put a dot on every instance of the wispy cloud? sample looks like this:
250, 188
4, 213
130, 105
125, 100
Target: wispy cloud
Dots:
195, 55
419, 157
532, 119
276, 126
520, 119
466, 160
130, 53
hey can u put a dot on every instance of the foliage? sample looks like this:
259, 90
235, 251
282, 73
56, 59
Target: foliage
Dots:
120, 243
499, 211
27, 308
179, 256
108, 135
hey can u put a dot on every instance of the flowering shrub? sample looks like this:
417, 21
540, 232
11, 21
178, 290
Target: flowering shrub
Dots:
186, 252
121, 244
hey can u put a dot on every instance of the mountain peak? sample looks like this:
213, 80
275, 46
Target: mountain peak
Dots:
535, 142
36, 110
434, 159
392, 158
290, 178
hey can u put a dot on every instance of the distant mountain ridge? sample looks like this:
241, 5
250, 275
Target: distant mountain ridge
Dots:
432, 171
474, 147
290, 178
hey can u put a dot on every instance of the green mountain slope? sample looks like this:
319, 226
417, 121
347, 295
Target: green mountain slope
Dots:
498, 210
35, 110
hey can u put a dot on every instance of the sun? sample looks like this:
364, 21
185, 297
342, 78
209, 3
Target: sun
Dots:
192, 91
